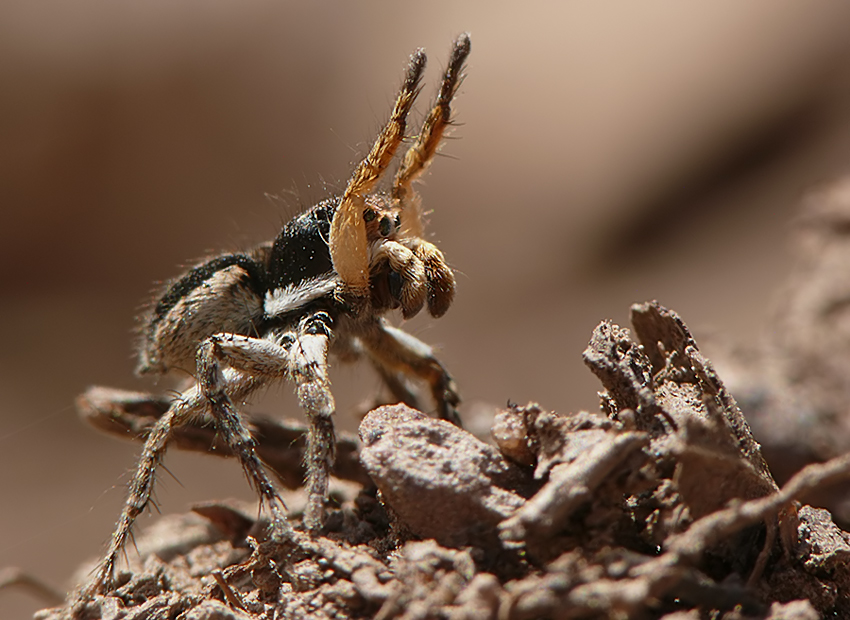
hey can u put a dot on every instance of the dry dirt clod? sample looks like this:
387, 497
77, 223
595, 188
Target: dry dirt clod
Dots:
440, 480
824, 545
703, 452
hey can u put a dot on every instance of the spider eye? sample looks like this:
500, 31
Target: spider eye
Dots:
398, 221
385, 227
369, 215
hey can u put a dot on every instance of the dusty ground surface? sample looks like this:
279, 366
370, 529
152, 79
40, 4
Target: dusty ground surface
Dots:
659, 505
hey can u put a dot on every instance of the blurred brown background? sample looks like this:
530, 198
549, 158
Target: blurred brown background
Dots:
607, 153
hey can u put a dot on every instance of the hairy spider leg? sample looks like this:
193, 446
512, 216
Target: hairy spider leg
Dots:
348, 244
308, 368
418, 157
266, 362
141, 487
438, 275
302, 356
398, 353
191, 403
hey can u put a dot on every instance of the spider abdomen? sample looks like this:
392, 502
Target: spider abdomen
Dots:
224, 294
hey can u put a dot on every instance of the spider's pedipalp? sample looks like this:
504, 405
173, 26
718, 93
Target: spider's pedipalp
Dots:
438, 275
348, 243
406, 283
422, 151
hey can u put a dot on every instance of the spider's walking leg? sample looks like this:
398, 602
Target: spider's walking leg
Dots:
308, 367
303, 356
139, 495
213, 384
396, 350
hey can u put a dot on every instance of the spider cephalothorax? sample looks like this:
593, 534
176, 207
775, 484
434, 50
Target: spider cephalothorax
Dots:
239, 321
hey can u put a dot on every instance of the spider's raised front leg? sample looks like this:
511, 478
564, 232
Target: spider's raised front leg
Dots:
439, 279
348, 243
420, 154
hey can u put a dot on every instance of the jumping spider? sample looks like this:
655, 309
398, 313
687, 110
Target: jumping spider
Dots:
239, 321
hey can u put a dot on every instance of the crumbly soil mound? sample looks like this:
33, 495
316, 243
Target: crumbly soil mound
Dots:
660, 505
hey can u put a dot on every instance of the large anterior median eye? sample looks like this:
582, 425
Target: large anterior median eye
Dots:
385, 227
369, 215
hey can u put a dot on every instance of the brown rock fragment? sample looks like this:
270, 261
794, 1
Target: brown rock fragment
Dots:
823, 545
215, 610
794, 610
532, 436
440, 480
792, 383
677, 364
479, 600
